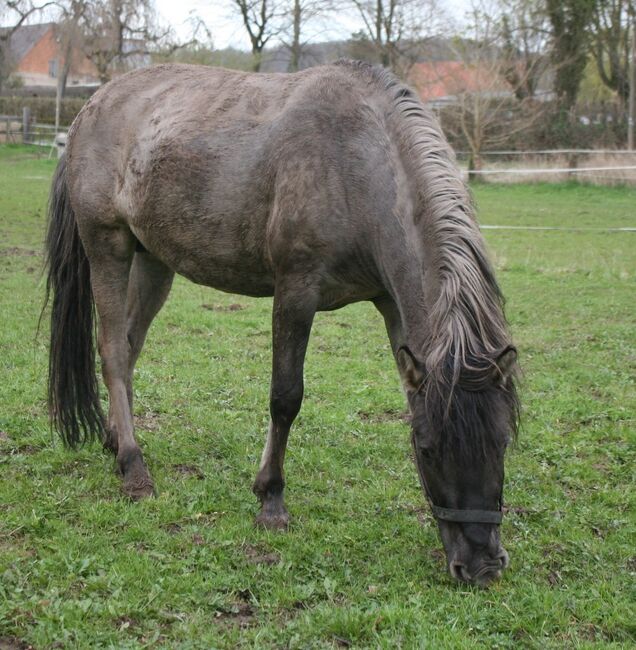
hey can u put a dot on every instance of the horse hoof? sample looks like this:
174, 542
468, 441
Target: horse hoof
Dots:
139, 488
278, 521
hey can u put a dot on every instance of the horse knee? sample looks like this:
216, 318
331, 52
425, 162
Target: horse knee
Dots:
285, 404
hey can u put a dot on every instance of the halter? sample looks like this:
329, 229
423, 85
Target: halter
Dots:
461, 515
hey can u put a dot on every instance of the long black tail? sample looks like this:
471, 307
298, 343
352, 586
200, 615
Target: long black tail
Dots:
73, 393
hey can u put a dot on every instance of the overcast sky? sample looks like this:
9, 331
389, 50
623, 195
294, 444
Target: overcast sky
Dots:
227, 28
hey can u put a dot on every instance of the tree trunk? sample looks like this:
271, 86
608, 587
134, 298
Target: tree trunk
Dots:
294, 62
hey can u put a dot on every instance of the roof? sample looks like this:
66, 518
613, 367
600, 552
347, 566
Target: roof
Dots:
445, 79
25, 37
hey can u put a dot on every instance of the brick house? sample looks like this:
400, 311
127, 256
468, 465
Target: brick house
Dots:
34, 53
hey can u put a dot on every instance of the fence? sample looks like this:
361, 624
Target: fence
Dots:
599, 166
22, 129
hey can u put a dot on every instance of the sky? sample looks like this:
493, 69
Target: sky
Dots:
227, 29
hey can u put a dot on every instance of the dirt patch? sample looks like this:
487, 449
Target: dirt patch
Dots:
3, 436
20, 449
258, 555
390, 415
173, 528
189, 471
150, 421
126, 623
12, 643
14, 251
239, 613
235, 306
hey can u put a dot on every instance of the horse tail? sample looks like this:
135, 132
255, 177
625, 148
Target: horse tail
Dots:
73, 395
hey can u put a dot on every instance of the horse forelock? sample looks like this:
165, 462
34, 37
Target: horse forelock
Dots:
466, 322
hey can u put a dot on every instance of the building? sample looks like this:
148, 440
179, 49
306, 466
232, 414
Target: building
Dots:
34, 55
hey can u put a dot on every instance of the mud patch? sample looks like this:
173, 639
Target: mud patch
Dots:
259, 555
150, 421
4, 436
189, 471
126, 623
13, 643
172, 528
390, 415
235, 306
240, 615
14, 251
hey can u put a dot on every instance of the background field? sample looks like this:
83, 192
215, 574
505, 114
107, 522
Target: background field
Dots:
362, 565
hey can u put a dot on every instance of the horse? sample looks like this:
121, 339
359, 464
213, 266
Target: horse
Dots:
320, 188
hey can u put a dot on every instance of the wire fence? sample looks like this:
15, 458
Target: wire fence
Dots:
14, 130
596, 166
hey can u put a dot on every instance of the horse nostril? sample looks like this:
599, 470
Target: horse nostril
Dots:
503, 557
459, 571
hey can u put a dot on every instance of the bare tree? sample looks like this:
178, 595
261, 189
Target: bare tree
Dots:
261, 21
485, 111
69, 40
116, 30
16, 13
610, 40
301, 11
525, 42
570, 22
396, 27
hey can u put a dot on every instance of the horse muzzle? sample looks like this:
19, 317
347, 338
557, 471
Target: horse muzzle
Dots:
481, 569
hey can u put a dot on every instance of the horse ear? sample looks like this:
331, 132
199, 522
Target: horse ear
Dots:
411, 370
505, 364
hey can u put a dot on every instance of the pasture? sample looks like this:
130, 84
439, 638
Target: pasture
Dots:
361, 565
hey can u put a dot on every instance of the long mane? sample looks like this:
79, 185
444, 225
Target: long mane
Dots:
466, 323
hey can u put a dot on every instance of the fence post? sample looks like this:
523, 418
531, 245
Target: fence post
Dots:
26, 124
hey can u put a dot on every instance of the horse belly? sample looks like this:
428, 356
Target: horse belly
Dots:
211, 259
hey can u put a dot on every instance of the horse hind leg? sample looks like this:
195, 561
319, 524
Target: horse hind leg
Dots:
149, 284
110, 252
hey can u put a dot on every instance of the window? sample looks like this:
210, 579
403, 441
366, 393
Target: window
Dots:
53, 68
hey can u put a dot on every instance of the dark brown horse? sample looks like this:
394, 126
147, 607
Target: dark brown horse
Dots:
320, 188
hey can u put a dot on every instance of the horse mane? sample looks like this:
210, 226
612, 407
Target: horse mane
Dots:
466, 321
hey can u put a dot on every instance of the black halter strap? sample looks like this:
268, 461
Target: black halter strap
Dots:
465, 516
462, 515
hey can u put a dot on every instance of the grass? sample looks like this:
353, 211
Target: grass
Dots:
362, 565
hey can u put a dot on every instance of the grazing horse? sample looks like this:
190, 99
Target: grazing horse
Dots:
319, 188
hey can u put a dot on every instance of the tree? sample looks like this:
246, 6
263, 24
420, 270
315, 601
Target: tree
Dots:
260, 19
486, 111
301, 11
524, 35
610, 41
115, 30
69, 40
570, 22
395, 27
16, 12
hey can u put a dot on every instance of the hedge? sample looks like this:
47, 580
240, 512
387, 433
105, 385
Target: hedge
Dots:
42, 108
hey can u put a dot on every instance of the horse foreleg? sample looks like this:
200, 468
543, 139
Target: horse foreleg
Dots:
292, 318
110, 252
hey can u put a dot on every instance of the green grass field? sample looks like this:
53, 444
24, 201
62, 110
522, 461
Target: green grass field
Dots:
362, 565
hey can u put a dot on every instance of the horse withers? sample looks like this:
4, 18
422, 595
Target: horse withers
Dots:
320, 188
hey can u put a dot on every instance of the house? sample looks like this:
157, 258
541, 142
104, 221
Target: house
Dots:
441, 83
34, 53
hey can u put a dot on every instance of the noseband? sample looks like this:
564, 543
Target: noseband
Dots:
466, 516
461, 515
